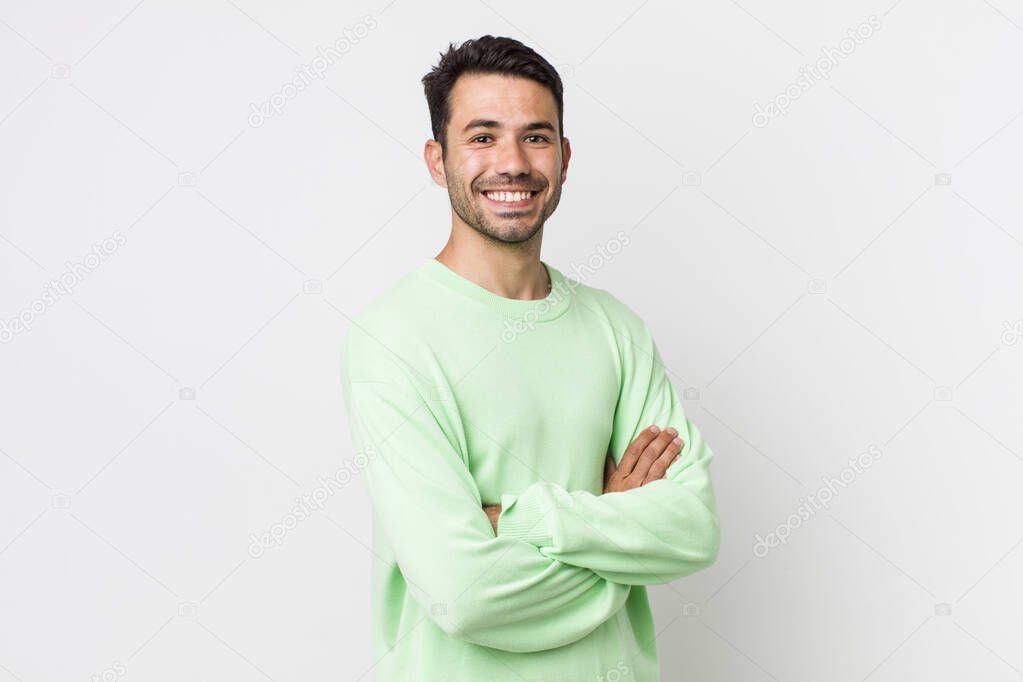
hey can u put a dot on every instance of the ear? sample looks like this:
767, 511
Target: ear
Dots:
566, 154
434, 158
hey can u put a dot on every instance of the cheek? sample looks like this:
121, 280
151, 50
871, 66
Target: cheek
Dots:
472, 168
550, 171
469, 180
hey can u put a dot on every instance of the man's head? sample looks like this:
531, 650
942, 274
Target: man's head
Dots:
496, 110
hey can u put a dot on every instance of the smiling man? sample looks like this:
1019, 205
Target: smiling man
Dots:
523, 493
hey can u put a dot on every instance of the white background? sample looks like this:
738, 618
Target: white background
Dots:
846, 276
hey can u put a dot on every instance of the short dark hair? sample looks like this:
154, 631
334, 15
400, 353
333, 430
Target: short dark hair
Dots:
486, 54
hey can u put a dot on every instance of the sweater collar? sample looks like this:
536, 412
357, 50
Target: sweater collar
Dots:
540, 310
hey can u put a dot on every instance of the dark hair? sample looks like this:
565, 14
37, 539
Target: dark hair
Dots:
486, 54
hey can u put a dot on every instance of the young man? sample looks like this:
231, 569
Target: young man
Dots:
522, 493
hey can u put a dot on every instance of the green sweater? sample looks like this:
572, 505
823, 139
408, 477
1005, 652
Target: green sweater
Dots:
459, 398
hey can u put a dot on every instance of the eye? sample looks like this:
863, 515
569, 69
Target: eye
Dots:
478, 137
540, 137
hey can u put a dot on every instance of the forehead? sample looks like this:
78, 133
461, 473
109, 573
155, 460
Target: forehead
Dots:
509, 99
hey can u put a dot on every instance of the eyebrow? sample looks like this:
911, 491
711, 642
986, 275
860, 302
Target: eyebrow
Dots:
489, 123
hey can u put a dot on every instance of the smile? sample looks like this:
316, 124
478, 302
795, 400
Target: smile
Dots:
510, 199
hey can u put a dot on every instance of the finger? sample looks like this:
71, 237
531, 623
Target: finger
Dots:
650, 454
609, 468
636, 448
660, 467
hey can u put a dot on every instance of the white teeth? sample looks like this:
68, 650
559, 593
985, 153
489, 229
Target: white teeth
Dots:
508, 196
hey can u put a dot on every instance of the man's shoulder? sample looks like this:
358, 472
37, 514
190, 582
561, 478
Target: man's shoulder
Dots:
393, 336
391, 328
400, 302
607, 306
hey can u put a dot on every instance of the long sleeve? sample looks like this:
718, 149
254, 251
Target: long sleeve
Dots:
493, 591
653, 534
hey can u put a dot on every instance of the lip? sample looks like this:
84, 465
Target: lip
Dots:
525, 203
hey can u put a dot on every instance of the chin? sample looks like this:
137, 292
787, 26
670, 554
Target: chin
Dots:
518, 236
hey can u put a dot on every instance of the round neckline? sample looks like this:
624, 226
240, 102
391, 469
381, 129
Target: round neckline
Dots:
539, 309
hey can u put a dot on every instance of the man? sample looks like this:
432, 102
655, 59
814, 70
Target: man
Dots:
522, 492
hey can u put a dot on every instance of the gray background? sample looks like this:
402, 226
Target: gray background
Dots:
845, 277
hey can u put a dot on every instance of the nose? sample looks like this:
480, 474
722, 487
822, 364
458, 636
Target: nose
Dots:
510, 159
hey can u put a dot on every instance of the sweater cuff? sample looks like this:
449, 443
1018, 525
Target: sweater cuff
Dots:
524, 517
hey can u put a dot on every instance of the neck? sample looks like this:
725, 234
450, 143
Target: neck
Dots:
515, 272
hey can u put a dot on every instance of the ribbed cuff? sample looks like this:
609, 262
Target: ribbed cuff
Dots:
524, 517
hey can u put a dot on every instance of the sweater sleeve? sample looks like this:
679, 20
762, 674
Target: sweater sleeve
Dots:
498, 592
653, 534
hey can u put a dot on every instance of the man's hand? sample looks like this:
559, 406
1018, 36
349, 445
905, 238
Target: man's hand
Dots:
646, 459
493, 512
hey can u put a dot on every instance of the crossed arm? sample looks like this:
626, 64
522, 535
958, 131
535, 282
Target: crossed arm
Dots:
563, 562
647, 459
661, 531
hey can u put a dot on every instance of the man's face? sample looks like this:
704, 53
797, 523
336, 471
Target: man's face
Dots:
503, 136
